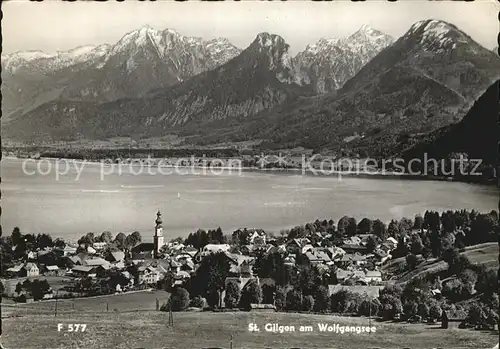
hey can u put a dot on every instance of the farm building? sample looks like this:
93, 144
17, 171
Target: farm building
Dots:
452, 318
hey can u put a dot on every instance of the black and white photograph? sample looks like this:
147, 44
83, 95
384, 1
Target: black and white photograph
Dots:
250, 175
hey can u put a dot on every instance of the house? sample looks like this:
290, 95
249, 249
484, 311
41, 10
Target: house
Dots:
143, 251
69, 250
295, 246
342, 275
31, 269
258, 234
51, 270
149, 275
391, 242
16, 270
211, 249
345, 261
240, 265
116, 256
187, 265
373, 276
215, 248
99, 246
82, 270
453, 318
351, 248
315, 257
353, 240
91, 250
290, 260
97, 262
335, 252
307, 248
175, 266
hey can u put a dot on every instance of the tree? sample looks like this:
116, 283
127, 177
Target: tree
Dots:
393, 229
416, 245
308, 303
251, 294
232, 296
476, 314
469, 279
371, 243
16, 236
410, 309
423, 310
435, 311
352, 227
487, 282
412, 261
268, 294
19, 288
120, 240
44, 240
209, 280
179, 300
321, 299
133, 239
39, 288
418, 222
106, 237
280, 298
405, 225
293, 300
367, 309
342, 225
365, 226
198, 302
379, 229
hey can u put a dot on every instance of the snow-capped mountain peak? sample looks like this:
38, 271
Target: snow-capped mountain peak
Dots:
436, 35
329, 63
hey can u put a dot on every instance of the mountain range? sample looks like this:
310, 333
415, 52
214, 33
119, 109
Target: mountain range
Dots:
363, 92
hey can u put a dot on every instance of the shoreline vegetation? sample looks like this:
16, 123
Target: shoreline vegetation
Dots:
248, 163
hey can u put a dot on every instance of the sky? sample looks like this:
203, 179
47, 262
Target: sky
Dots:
58, 25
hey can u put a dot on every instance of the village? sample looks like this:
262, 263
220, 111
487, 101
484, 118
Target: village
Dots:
346, 262
349, 264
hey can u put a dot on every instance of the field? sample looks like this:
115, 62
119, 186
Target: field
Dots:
486, 254
134, 301
149, 329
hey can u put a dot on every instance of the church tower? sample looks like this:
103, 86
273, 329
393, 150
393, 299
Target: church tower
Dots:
158, 237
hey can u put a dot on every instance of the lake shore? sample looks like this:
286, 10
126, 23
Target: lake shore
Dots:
310, 171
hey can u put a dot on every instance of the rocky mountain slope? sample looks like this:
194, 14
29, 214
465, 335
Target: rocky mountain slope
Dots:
141, 60
258, 79
476, 136
427, 79
329, 63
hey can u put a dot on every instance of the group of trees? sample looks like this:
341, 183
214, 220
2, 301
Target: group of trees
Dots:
201, 238
120, 242
36, 288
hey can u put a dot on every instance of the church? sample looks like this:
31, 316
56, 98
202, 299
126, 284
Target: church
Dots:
148, 250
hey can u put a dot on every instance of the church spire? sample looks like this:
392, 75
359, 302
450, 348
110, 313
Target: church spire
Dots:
158, 220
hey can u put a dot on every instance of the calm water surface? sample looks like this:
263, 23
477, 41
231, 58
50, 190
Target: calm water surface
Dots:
68, 207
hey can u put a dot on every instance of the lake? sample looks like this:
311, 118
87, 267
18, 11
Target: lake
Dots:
69, 206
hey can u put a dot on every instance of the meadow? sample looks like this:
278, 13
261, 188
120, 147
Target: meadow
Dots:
485, 254
149, 329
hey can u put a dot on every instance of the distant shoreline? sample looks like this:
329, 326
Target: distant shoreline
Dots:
309, 172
